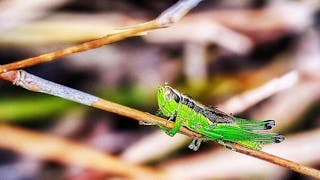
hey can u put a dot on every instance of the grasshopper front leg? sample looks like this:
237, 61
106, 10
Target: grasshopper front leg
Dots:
176, 127
175, 117
159, 114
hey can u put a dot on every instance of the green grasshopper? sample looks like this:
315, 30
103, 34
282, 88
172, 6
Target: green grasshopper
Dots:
212, 123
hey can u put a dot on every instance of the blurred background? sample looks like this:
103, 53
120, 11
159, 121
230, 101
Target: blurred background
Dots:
256, 59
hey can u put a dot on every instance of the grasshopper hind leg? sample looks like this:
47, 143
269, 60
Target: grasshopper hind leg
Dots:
252, 145
258, 143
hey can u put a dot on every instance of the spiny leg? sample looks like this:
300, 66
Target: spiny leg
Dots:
219, 138
213, 137
209, 135
253, 140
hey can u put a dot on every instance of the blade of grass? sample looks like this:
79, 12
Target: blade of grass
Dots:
22, 109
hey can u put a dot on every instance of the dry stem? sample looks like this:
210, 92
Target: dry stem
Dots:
108, 39
29, 146
143, 116
138, 115
279, 161
167, 18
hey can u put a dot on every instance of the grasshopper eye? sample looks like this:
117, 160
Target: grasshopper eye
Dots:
171, 95
168, 94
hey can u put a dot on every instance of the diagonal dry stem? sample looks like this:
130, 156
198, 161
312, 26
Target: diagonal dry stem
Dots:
111, 38
294, 166
37, 84
34, 83
167, 18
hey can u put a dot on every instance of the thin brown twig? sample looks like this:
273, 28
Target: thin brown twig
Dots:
108, 39
294, 166
27, 81
129, 112
36, 84
138, 115
165, 19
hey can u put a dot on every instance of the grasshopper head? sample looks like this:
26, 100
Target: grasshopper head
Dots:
168, 99
166, 93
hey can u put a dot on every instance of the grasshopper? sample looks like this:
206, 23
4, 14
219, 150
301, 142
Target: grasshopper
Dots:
212, 123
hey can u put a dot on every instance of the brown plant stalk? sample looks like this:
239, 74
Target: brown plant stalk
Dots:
9, 72
294, 166
108, 39
28, 81
165, 19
